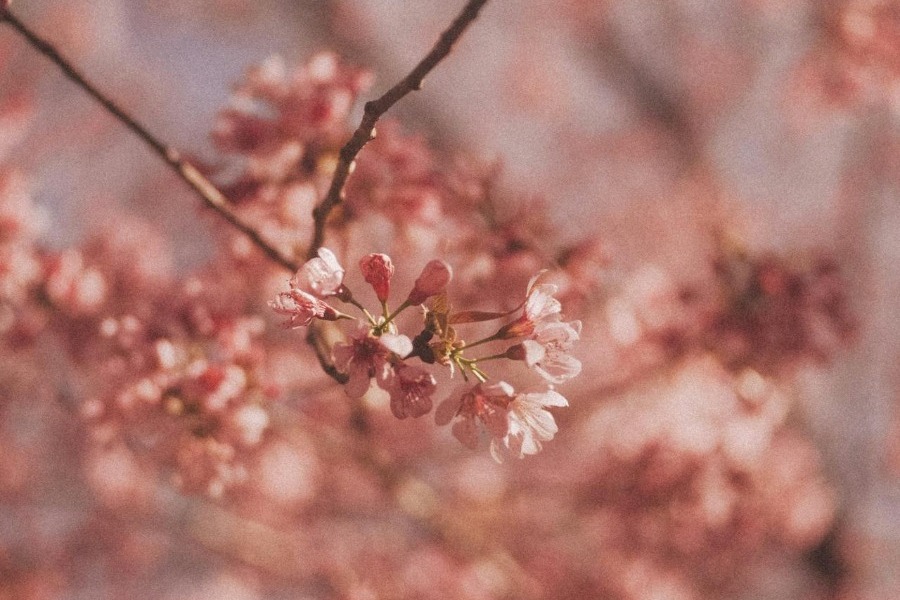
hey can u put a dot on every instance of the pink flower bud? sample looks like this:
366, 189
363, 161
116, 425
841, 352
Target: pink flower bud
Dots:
377, 269
434, 278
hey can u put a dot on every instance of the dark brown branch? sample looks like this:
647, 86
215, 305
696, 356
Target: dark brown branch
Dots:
373, 111
198, 182
316, 338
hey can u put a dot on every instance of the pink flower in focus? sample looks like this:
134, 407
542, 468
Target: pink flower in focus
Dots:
322, 276
547, 352
487, 403
377, 269
367, 356
529, 424
301, 308
410, 389
432, 281
540, 307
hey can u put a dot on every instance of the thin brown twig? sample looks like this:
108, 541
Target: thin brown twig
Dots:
215, 200
198, 182
373, 111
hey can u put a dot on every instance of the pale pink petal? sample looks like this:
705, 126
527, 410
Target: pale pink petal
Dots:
541, 305
557, 367
447, 409
398, 344
466, 431
359, 381
342, 355
410, 389
551, 398
321, 276
534, 352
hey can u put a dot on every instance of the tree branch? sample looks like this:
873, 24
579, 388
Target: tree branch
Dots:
198, 182
215, 200
373, 111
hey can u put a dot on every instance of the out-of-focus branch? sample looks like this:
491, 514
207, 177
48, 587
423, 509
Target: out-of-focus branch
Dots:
652, 98
373, 111
198, 182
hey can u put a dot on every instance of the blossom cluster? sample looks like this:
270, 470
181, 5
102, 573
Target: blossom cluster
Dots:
280, 139
858, 59
171, 372
535, 334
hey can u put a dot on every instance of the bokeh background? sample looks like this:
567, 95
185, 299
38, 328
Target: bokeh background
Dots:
650, 127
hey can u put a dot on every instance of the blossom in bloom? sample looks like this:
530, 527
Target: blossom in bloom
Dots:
410, 389
432, 281
528, 424
540, 307
547, 351
322, 276
377, 269
301, 308
484, 402
367, 356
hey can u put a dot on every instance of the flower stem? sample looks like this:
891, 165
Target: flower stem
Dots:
388, 318
364, 310
490, 338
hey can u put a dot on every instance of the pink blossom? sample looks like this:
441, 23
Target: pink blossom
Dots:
377, 269
547, 352
301, 308
322, 276
367, 356
411, 389
487, 403
528, 424
432, 281
540, 307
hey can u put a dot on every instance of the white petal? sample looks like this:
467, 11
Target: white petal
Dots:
398, 344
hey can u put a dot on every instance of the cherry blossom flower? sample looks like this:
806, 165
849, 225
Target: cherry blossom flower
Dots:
301, 308
411, 389
529, 424
540, 307
432, 281
322, 276
377, 269
484, 402
547, 351
367, 356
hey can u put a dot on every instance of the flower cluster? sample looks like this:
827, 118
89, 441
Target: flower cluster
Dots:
20, 260
770, 313
280, 136
535, 334
858, 59
173, 374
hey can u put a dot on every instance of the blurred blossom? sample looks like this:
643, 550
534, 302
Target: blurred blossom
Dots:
670, 394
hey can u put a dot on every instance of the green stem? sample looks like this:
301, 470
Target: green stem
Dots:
387, 320
364, 310
491, 338
491, 357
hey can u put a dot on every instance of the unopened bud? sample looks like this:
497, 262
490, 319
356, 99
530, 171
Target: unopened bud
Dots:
434, 278
377, 269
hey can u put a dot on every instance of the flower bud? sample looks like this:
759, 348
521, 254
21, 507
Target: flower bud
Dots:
377, 269
434, 278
